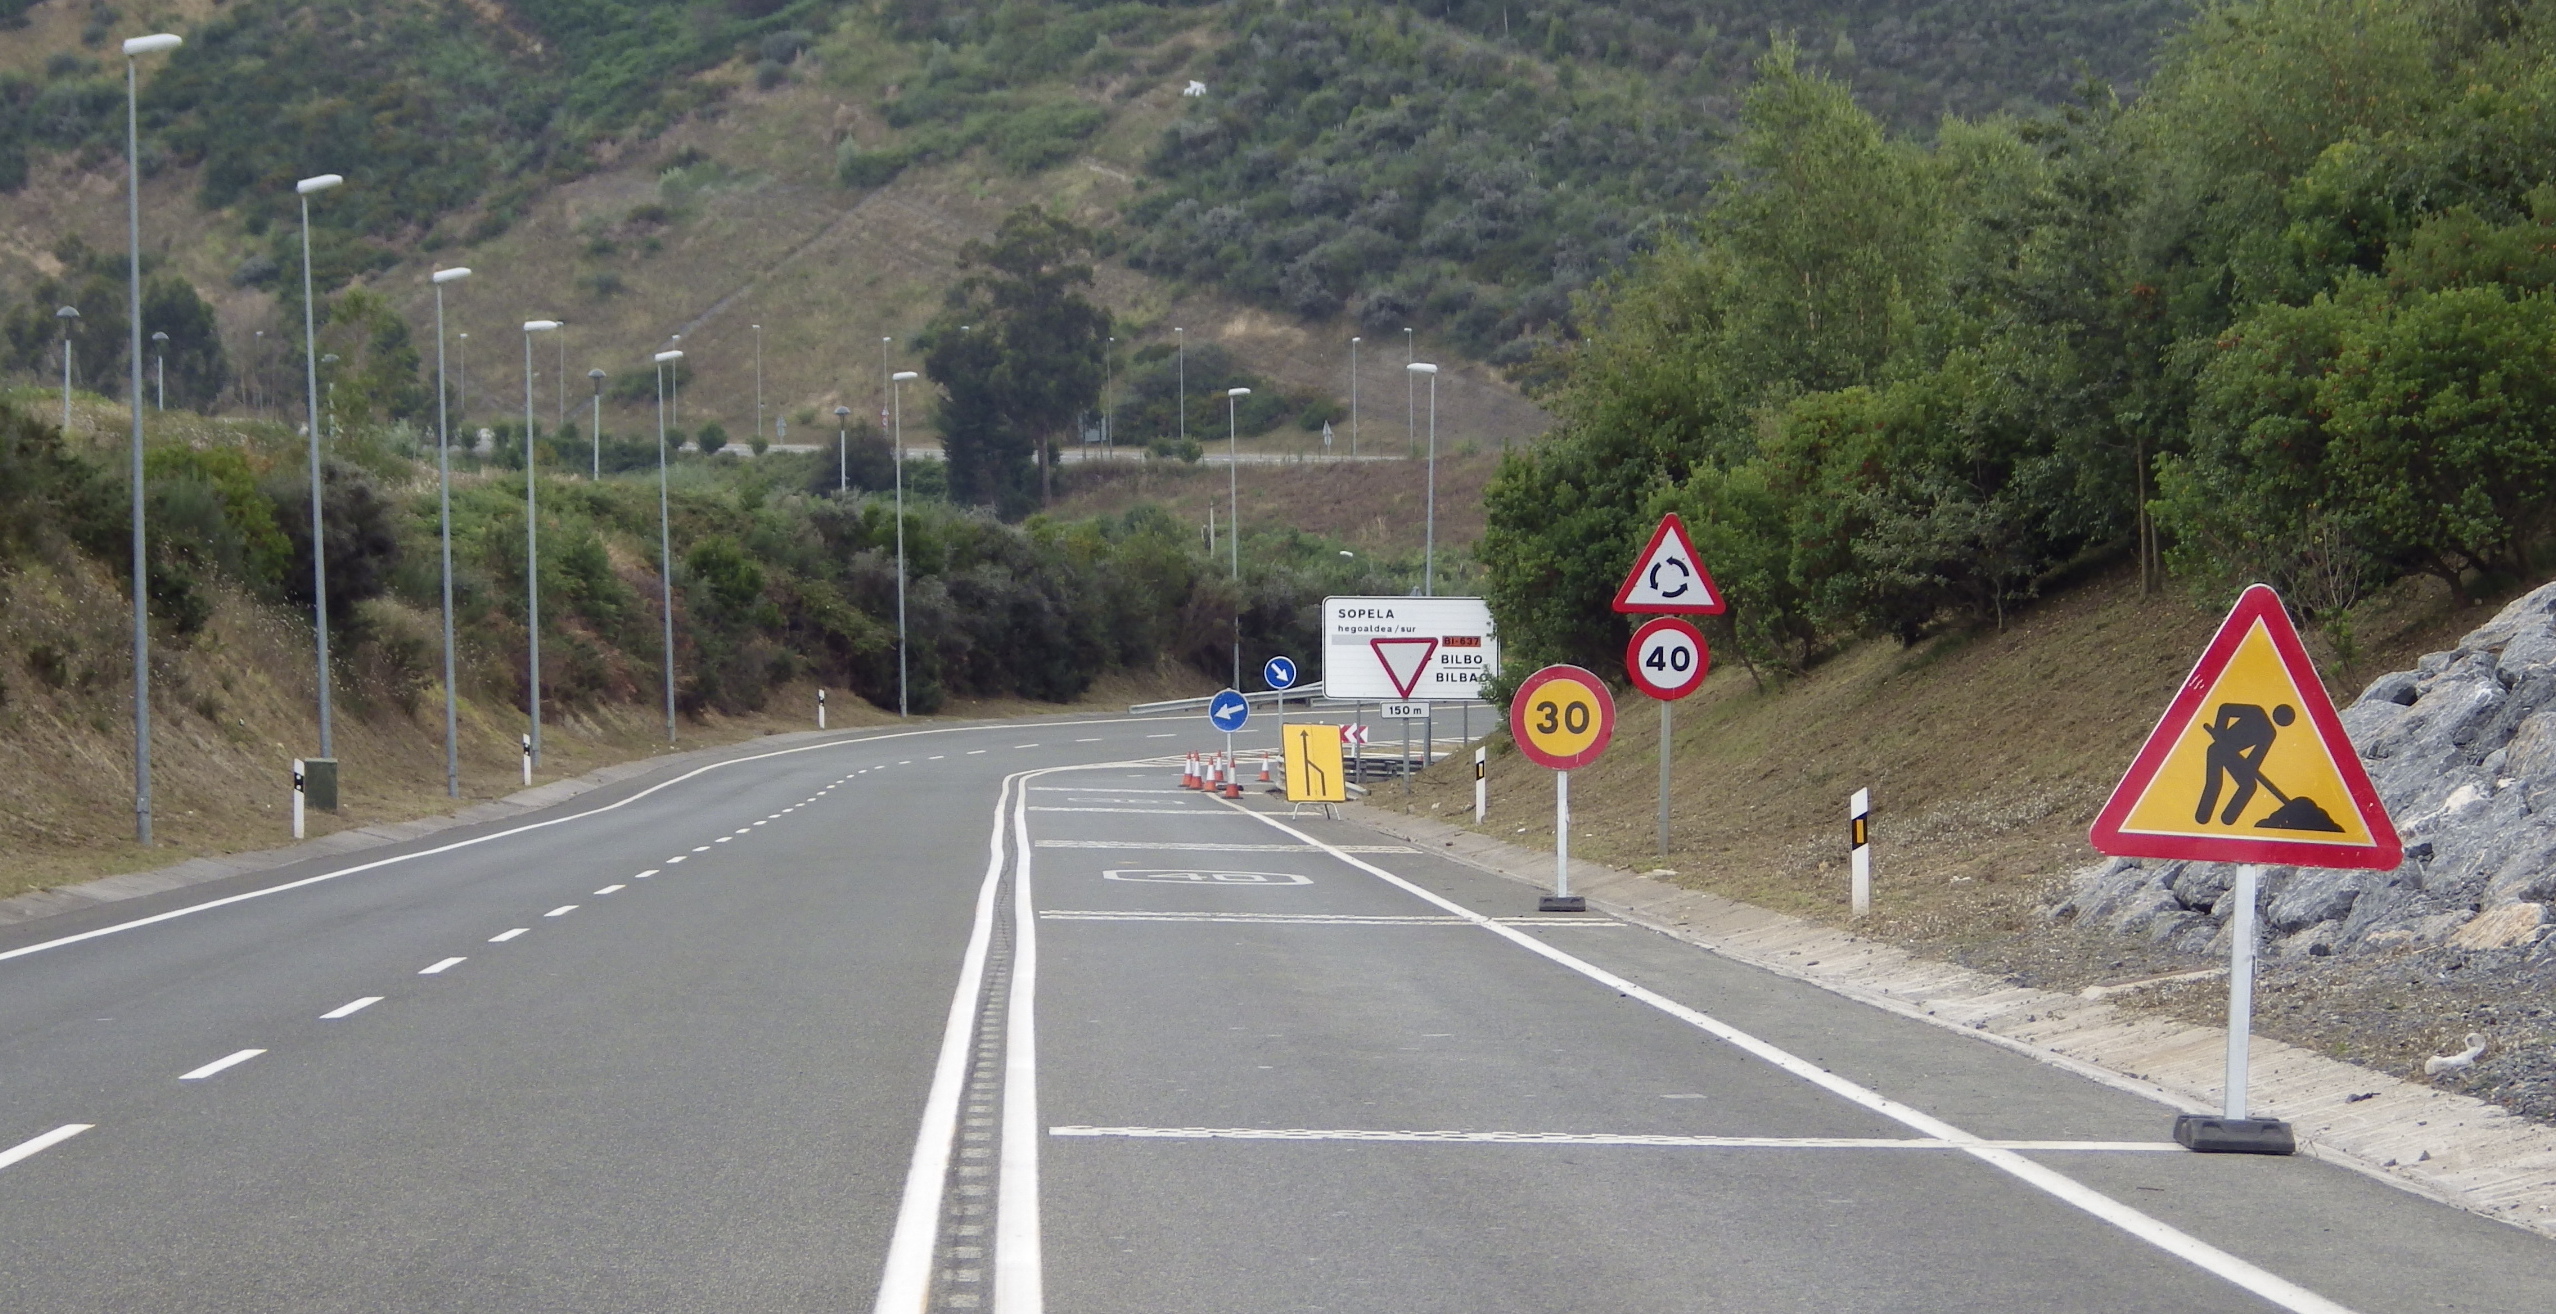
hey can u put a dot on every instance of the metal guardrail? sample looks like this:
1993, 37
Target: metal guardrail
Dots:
1303, 693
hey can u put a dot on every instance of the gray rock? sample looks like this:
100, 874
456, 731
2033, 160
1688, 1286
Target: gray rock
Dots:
2314, 896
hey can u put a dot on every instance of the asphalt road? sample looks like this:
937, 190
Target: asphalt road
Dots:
969, 1018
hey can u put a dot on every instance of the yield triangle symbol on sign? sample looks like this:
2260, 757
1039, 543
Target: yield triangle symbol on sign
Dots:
1669, 576
2250, 763
1405, 661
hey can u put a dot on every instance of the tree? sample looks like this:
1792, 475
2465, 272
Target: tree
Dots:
198, 370
1018, 352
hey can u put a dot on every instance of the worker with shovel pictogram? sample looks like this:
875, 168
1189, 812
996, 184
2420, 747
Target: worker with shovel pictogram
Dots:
2240, 738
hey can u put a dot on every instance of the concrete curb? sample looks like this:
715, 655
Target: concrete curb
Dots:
131, 885
2452, 1148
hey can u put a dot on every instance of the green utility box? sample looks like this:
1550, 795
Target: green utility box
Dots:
319, 783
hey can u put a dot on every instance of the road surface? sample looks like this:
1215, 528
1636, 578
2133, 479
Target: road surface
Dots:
998, 1017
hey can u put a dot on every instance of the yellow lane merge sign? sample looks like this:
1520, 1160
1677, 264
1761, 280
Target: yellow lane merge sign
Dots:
1314, 772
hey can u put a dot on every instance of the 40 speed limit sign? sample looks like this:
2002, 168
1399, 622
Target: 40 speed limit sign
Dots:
1667, 659
1562, 718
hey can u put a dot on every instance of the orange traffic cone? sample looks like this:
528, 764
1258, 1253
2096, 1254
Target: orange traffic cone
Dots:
1233, 778
1264, 768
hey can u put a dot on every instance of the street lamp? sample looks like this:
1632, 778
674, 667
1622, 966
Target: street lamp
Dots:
1353, 397
665, 539
532, 550
1410, 395
884, 369
595, 421
306, 188
1429, 550
896, 390
160, 368
1233, 515
66, 315
143, 45
444, 506
843, 449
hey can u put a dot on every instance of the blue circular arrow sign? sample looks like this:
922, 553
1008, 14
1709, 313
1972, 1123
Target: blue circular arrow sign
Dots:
1228, 710
1279, 673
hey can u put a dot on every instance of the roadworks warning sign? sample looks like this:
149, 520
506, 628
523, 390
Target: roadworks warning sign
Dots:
2250, 763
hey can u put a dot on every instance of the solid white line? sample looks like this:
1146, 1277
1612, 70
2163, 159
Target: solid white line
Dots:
350, 1010
1020, 1285
645, 874
226, 1061
705, 768
1312, 919
1146, 812
561, 911
1167, 846
1596, 1138
438, 969
905, 1284
612, 889
28, 1149
508, 935
2182, 1245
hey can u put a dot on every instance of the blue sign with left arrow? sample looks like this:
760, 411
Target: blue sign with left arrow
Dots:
1228, 710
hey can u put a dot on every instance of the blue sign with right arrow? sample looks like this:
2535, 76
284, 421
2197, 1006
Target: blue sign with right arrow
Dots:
1228, 710
1279, 673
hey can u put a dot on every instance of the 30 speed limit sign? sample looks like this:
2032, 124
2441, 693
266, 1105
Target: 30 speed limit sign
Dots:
1562, 718
1667, 659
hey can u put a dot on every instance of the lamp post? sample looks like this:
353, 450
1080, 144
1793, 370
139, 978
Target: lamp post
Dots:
65, 316
595, 421
306, 188
1410, 395
665, 539
883, 386
758, 380
675, 345
843, 449
1353, 397
143, 45
896, 390
1429, 548
444, 512
1233, 516
532, 547
160, 368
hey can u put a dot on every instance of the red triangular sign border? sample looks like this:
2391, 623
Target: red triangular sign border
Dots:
1669, 524
2258, 603
1418, 669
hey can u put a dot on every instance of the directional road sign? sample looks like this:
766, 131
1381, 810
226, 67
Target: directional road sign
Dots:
1416, 650
1669, 576
1562, 717
1314, 769
1228, 710
2250, 763
1279, 673
1354, 735
1667, 658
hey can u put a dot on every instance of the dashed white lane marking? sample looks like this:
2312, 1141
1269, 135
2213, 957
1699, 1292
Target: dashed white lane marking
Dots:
612, 889
2180, 1244
765, 822
645, 874
1174, 735
1598, 1138
1017, 747
503, 937
697, 848
217, 1065
561, 911
910, 761
1171, 846
1096, 740
439, 968
937, 757
28, 1149
743, 829
1320, 919
723, 839
677, 858
977, 752
350, 1010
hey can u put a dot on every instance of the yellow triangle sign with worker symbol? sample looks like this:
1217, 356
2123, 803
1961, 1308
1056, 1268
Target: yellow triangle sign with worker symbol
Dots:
2250, 762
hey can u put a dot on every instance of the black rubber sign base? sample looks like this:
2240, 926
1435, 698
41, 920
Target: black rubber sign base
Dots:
1561, 903
2206, 1134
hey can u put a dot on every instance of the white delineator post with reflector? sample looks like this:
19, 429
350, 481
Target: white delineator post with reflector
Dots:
1562, 719
299, 794
820, 709
1859, 844
2224, 778
1481, 783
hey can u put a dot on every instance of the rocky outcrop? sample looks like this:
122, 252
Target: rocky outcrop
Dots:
2463, 751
